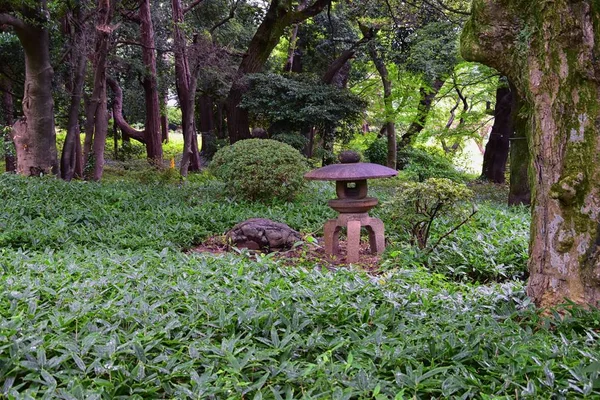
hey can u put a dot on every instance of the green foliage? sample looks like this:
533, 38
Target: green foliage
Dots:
420, 164
294, 139
377, 151
174, 115
260, 169
292, 103
417, 205
433, 50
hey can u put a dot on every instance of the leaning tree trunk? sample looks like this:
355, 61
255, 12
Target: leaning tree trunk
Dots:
34, 135
8, 111
427, 94
390, 126
549, 51
519, 191
496, 149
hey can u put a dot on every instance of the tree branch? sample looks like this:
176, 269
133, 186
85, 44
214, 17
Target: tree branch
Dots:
303, 14
191, 6
227, 19
7, 19
118, 113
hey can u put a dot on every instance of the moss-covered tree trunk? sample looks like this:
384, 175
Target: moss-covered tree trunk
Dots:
549, 51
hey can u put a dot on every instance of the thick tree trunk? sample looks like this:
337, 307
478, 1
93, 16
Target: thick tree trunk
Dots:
150, 84
35, 137
520, 192
8, 111
496, 149
389, 124
548, 50
71, 163
278, 17
427, 94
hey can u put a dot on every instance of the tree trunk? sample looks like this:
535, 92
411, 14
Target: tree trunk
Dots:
548, 50
389, 124
35, 137
71, 163
150, 84
97, 118
427, 94
127, 130
164, 119
496, 149
8, 112
520, 192
207, 126
278, 17
185, 80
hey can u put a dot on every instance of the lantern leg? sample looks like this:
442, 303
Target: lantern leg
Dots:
376, 231
353, 245
332, 237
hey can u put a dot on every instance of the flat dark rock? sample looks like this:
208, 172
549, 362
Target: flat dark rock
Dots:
262, 234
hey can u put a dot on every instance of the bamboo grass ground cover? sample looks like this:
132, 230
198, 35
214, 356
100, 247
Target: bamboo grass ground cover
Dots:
128, 315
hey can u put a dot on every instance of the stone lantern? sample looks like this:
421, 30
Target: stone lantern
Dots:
352, 203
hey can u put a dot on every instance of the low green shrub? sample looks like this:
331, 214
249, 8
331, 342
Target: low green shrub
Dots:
294, 139
260, 169
417, 205
377, 151
420, 164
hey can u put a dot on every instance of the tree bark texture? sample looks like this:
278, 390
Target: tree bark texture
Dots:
35, 137
496, 149
8, 111
519, 190
389, 124
150, 84
549, 51
425, 102
278, 17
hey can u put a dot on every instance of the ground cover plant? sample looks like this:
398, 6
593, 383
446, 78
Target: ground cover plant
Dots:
99, 300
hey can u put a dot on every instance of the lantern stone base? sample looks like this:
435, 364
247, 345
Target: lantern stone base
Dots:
353, 223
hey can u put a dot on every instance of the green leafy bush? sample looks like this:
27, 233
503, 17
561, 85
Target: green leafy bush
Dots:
420, 164
260, 169
294, 139
377, 151
417, 205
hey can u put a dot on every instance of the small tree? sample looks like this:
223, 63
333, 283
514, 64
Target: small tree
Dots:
417, 205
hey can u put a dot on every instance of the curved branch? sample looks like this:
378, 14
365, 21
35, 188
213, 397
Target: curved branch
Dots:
130, 131
7, 19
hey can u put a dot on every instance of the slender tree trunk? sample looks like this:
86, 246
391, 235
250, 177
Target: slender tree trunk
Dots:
150, 85
389, 124
8, 111
549, 51
71, 164
425, 102
496, 150
164, 119
97, 123
185, 79
520, 192
34, 135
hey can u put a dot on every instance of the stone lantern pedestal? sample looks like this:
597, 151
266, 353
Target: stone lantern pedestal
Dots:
352, 204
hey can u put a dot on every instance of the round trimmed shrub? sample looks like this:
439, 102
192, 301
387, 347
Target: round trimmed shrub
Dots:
376, 153
260, 169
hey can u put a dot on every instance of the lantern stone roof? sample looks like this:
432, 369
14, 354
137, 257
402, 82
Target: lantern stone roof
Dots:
350, 172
